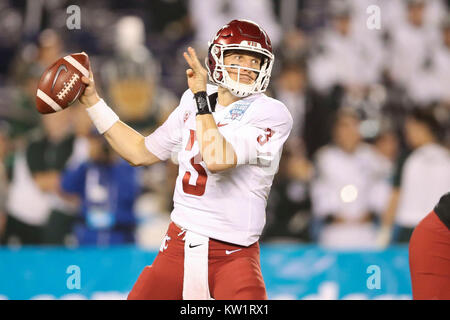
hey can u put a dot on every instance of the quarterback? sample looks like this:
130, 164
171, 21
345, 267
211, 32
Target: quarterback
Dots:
227, 137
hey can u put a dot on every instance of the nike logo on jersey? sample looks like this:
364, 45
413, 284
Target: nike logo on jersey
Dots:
221, 124
193, 246
232, 251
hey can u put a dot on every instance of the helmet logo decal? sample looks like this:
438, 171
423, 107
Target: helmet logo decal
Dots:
251, 44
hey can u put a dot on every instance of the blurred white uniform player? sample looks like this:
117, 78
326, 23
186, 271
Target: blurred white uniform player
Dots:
350, 186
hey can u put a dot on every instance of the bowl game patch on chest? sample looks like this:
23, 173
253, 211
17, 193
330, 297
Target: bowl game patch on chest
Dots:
237, 111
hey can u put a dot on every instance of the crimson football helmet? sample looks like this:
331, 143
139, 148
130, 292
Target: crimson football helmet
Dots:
240, 35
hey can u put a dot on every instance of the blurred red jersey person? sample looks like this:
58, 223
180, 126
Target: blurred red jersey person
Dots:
227, 139
429, 254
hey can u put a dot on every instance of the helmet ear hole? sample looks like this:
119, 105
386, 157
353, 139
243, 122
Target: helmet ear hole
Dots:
217, 75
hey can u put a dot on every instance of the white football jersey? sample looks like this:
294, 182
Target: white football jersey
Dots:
228, 205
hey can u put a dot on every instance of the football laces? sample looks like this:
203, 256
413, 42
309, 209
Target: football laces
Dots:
68, 86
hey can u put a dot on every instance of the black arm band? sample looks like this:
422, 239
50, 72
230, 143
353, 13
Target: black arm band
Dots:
202, 101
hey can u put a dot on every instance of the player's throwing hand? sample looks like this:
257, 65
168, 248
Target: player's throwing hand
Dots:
90, 96
196, 75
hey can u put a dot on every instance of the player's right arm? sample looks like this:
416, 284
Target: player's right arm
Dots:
127, 142
130, 144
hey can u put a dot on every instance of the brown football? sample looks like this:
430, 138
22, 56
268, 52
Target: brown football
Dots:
60, 85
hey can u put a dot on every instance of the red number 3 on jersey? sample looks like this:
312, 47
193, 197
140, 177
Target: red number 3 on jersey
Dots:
264, 138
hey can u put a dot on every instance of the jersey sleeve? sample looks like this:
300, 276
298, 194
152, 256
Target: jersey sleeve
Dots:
167, 137
260, 141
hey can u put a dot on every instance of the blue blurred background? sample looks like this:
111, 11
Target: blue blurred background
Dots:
366, 82
290, 272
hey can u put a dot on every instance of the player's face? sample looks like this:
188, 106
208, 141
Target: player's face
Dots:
416, 132
242, 59
416, 14
346, 133
446, 36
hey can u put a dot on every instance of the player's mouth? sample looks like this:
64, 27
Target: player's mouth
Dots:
244, 78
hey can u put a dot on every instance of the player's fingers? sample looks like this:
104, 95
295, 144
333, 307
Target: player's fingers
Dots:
191, 58
188, 60
91, 75
189, 73
85, 80
194, 58
192, 52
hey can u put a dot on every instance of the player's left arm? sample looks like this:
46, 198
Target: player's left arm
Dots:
216, 152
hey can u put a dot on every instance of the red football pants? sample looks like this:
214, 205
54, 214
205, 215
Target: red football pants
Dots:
429, 259
234, 272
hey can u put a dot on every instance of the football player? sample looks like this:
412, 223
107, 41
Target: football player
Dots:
429, 254
228, 139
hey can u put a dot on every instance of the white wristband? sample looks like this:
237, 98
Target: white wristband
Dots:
102, 116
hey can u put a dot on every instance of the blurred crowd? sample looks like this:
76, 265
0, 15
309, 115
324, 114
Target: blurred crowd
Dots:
367, 159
